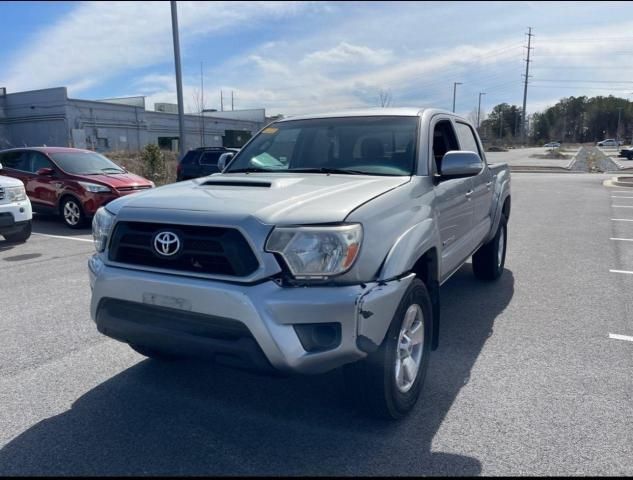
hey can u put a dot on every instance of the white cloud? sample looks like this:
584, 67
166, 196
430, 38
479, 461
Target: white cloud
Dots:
339, 58
99, 40
347, 53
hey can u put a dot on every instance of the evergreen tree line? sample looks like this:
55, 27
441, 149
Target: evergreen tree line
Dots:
571, 120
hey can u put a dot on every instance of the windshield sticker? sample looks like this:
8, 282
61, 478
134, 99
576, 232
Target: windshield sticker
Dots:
270, 130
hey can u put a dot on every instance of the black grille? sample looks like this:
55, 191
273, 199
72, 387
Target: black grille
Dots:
1, 193
205, 250
132, 188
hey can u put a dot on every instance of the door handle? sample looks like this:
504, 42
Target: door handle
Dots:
488, 185
469, 193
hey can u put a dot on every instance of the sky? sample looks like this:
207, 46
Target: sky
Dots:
309, 57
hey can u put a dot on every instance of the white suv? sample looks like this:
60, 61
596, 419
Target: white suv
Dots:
15, 210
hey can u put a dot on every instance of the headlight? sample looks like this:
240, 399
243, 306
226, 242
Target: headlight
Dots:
94, 187
16, 194
101, 226
317, 252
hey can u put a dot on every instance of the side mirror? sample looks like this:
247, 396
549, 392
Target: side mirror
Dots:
224, 159
457, 164
45, 172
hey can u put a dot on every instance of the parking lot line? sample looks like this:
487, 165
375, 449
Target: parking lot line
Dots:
622, 239
619, 196
622, 219
621, 271
64, 238
620, 191
621, 337
622, 206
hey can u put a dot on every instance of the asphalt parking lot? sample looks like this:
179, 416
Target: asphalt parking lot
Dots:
533, 375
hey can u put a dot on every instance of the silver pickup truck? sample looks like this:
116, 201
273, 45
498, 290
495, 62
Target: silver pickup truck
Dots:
322, 244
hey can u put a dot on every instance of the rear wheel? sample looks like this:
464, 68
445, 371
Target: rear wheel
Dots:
388, 382
489, 260
72, 213
20, 236
154, 353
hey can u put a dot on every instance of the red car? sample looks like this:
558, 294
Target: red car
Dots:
70, 182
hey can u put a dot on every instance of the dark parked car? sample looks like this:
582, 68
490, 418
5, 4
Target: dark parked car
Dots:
201, 162
627, 152
70, 182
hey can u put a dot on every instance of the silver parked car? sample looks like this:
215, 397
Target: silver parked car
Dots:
322, 244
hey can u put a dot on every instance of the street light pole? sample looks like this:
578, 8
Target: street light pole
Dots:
454, 92
478, 108
181, 109
617, 131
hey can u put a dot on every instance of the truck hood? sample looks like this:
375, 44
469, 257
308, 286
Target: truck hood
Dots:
279, 199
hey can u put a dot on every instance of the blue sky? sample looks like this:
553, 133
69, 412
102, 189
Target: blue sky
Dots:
299, 57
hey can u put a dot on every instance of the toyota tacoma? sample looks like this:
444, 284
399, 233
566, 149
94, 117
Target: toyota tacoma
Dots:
321, 244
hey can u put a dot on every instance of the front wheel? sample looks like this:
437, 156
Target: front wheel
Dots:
20, 236
72, 213
489, 260
388, 382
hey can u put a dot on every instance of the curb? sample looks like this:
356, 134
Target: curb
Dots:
618, 182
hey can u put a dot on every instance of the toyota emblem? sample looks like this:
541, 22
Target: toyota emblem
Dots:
166, 244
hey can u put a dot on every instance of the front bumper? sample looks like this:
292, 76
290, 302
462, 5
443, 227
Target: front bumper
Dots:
92, 201
14, 215
182, 313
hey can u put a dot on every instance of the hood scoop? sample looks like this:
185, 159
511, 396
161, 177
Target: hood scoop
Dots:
234, 183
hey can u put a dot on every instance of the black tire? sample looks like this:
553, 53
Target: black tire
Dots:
78, 220
486, 264
154, 353
21, 236
372, 381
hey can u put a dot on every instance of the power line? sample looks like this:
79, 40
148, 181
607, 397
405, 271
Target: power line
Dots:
582, 81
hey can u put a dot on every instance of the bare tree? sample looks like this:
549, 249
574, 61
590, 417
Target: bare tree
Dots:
385, 98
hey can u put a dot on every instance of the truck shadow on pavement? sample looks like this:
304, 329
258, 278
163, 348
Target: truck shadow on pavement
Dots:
194, 419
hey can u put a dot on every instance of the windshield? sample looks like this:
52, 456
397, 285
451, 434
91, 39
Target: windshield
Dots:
85, 163
349, 145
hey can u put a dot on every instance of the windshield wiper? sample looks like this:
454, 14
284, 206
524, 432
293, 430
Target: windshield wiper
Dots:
249, 170
117, 170
343, 171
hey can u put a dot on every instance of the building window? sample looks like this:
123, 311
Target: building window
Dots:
167, 143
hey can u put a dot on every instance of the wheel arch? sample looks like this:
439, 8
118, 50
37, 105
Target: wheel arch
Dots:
426, 268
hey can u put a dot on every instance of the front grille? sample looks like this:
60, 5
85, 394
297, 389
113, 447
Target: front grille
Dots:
204, 250
133, 188
1, 193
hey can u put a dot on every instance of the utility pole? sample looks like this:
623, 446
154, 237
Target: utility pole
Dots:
454, 91
479, 108
500, 123
527, 75
202, 106
181, 108
231, 100
221, 102
617, 132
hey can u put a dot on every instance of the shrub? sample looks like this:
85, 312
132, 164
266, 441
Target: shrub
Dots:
154, 164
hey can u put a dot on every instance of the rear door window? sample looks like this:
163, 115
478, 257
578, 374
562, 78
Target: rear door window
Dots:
210, 158
467, 138
15, 160
190, 158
